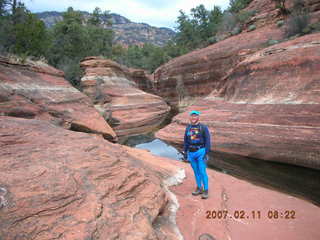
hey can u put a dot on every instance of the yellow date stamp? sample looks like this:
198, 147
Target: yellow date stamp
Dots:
254, 214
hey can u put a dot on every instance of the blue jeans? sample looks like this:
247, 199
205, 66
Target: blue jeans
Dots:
198, 164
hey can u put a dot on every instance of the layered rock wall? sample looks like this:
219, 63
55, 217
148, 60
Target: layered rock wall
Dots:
267, 107
143, 80
198, 73
38, 91
130, 110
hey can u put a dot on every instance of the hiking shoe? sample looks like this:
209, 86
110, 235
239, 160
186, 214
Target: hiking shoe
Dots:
205, 194
198, 191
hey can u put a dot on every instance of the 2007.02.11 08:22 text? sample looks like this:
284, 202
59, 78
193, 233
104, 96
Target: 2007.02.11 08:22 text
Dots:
255, 214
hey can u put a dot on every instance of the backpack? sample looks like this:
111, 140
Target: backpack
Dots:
202, 131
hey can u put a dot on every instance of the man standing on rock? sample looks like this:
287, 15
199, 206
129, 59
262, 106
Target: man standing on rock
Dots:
197, 146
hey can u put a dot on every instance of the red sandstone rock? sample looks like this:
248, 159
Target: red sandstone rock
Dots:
199, 72
265, 12
69, 185
267, 107
286, 73
59, 184
36, 90
233, 195
143, 80
130, 110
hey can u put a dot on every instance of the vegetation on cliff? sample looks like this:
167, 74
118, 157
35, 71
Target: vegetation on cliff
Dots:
77, 36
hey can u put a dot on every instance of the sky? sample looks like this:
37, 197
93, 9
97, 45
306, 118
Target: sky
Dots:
159, 13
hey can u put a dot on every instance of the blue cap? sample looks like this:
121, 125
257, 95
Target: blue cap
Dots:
194, 112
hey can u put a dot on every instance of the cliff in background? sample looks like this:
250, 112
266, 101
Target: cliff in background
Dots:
126, 32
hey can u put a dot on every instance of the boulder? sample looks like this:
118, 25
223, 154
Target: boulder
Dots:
129, 110
35, 90
267, 107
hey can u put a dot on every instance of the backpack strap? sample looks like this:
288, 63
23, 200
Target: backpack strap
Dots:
203, 131
188, 127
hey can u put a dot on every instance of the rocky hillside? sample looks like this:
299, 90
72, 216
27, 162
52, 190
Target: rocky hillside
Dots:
126, 32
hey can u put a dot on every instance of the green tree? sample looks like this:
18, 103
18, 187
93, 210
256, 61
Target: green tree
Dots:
100, 41
200, 21
95, 18
157, 57
215, 18
119, 54
31, 37
21, 32
187, 36
72, 40
135, 57
173, 50
198, 29
236, 5
98, 17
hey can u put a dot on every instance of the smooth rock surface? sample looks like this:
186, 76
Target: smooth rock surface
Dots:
36, 90
267, 107
59, 184
68, 185
129, 110
240, 198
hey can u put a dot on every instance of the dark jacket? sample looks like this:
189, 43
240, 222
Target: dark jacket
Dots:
201, 138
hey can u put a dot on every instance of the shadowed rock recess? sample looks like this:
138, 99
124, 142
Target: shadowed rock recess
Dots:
112, 88
59, 184
37, 91
267, 107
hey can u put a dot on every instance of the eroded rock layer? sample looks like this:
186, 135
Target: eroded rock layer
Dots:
199, 72
268, 107
36, 90
59, 184
130, 110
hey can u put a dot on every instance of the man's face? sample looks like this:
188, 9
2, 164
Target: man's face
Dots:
194, 119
